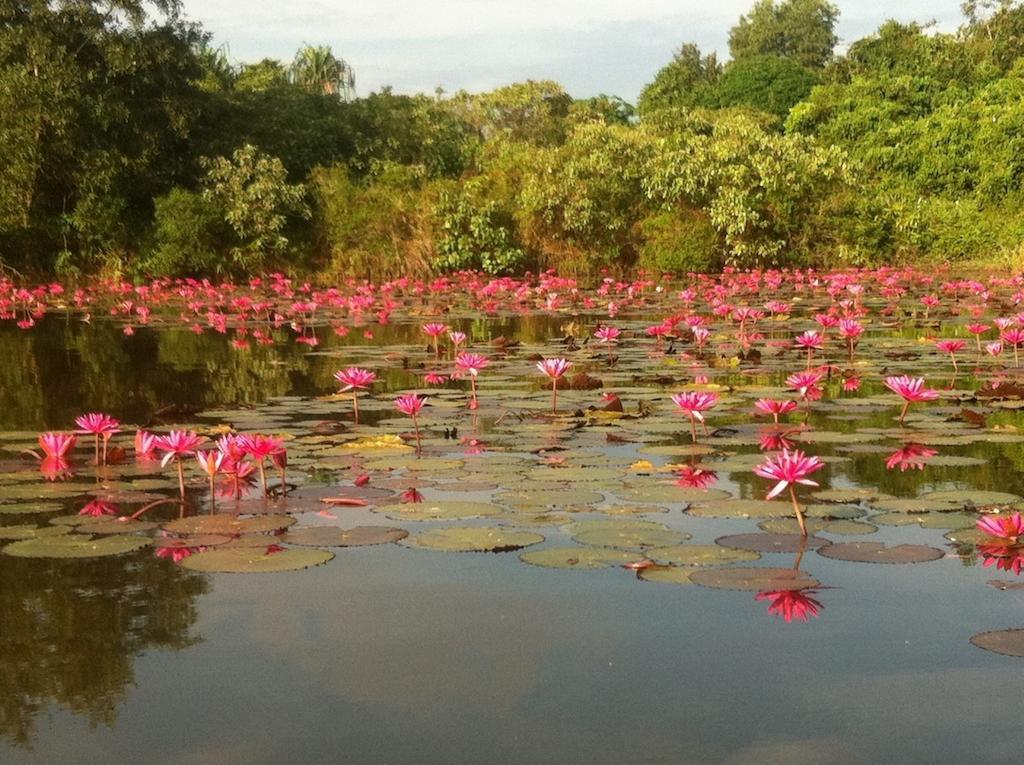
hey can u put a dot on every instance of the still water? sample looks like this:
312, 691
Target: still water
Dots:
395, 654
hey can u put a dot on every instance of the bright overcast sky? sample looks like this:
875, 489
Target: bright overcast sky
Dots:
590, 46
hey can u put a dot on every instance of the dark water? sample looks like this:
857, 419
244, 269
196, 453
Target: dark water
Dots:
395, 655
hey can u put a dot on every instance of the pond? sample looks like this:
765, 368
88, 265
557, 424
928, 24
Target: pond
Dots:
506, 577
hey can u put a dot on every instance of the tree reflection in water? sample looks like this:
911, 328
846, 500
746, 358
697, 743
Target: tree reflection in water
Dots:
71, 629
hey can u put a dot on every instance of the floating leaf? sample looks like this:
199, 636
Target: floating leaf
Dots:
741, 508
630, 537
699, 555
771, 543
754, 579
667, 575
256, 560
439, 510
580, 557
1005, 642
332, 536
228, 525
474, 539
877, 552
75, 546
31, 531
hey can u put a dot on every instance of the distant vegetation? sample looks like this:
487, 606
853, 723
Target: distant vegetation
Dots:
132, 147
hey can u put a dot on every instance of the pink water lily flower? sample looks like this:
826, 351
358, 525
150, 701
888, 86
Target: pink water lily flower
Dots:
694, 404
56, 444
788, 469
260, 447
145, 445
554, 369
176, 444
471, 363
355, 379
911, 389
1009, 527
952, 347
101, 426
434, 330
410, 404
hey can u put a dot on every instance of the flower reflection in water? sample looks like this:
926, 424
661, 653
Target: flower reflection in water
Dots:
1003, 557
792, 604
909, 457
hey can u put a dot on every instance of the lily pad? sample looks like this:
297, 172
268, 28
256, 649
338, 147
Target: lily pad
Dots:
754, 579
630, 538
255, 560
699, 555
771, 543
75, 546
741, 508
31, 531
667, 574
1005, 642
580, 557
474, 539
228, 524
438, 511
332, 536
877, 552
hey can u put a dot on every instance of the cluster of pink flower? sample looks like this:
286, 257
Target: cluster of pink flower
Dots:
228, 458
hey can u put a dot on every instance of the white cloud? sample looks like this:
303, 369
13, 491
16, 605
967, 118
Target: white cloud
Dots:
590, 46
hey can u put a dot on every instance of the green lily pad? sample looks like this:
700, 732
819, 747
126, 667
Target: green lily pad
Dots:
699, 555
75, 546
438, 511
112, 525
31, 531
197, 540
630, 538
754, 579
845, 496
876, 552
332, 536
668, 492
974, 497
25, 508
580, 557
926, 520
473, 539
771, 543
228, 525
667, 574
816, 525
741, 508
255, 560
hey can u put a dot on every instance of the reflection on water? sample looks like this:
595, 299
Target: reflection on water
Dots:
402, 655
70, 632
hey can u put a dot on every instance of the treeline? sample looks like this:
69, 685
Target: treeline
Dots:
131, 147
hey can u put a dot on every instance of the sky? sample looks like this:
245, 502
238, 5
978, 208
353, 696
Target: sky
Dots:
589, 46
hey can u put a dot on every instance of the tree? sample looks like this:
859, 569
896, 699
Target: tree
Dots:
252, 190
769, 83
685, 81
531, 111
803, 30
318, 69
266, 74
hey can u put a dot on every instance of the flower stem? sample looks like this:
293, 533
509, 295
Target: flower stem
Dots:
798, 511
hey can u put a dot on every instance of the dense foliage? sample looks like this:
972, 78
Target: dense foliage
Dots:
134, 148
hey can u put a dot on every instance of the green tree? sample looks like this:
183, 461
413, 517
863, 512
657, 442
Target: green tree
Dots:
252, 190
686, 81
319, 70
803, 30
265, 74
771, 84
